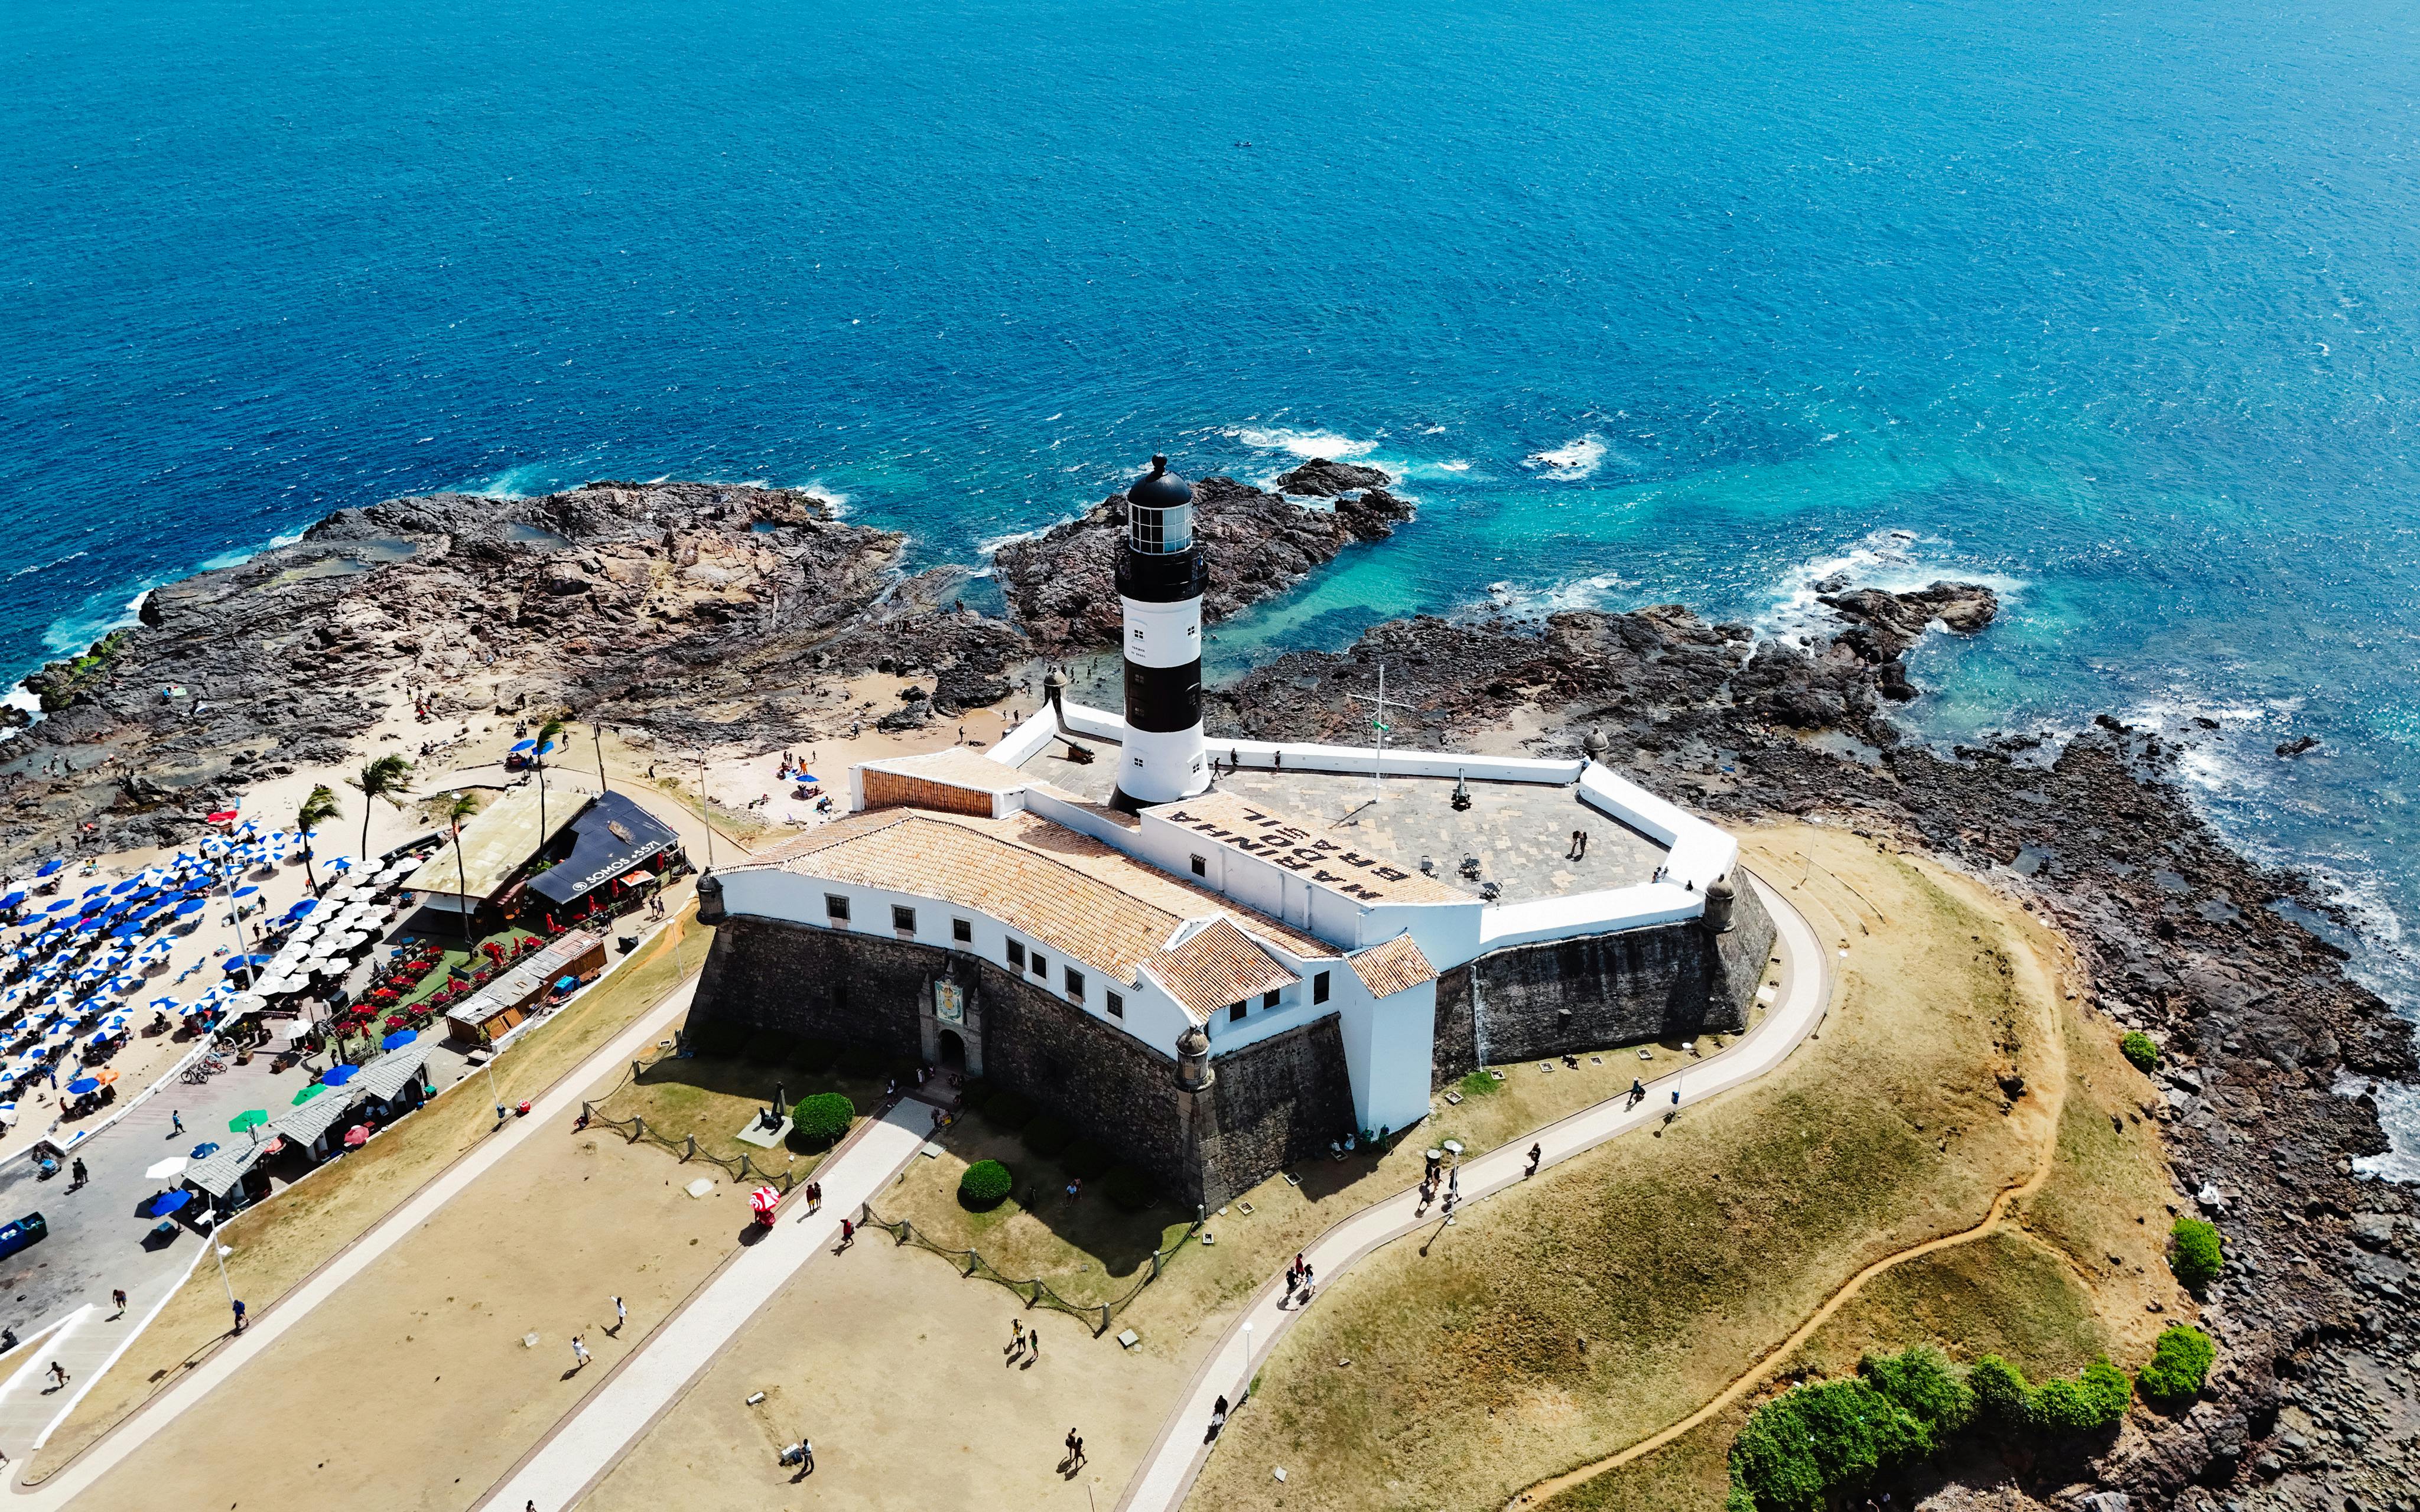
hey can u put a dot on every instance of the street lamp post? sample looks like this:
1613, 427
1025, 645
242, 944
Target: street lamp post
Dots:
704, 815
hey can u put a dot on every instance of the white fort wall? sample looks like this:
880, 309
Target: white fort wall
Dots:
1700, 854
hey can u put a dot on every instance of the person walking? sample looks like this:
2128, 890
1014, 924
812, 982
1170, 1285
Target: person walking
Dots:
117, 1296
78, 1173
1077, 1460
237, 1305
1033, 1343
58, 1375
579, 1353
847, 1233
1537, 1153
175, 1123
621, 1315
1070, 1446
1017, 1336
806, 1455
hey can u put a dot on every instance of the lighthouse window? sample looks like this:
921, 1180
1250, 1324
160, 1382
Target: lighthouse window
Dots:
1117, 1004
1147, 530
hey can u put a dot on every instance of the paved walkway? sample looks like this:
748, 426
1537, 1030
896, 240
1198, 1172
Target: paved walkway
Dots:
561, 1104
587, 1444
1167, 1474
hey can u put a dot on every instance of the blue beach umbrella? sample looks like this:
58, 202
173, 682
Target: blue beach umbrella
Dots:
246, 891
399, 1039
51, 867
168, 1202
82, 1085
126, 885
299, 909
54, 907
339, 1076
526, 745
203, 1150
12, 901
191, 906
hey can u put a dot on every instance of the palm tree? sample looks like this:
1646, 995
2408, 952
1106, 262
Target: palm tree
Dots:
457, 807
385, 778
546, 734
317, 810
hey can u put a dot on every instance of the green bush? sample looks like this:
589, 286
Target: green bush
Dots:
2194, 1254
2086, 1403
1130, 1189
2179, 1365
985, 1186
1008, 1111
814, 1056
1048, 1135
1810, 1442
818, 1122
2141, 1049
861, 1060
2003, 1401
1924, 1382
1085, 1158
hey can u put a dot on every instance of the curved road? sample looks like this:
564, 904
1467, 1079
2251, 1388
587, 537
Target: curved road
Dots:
1165, 1476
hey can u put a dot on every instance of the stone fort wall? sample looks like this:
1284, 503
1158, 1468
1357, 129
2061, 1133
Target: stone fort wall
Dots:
1669, 981
1271, 1105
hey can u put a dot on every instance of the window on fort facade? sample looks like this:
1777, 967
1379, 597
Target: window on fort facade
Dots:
1042, 965
1074, 979
1017, 954
1200, 867
1269, 998
1117, 1004
836, 907
962, 931
1319, 988
1235, 1013
903, 919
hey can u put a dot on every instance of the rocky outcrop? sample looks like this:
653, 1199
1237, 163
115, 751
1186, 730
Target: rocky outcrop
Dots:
664, 604
1323, 479
1063, 583
1884, 624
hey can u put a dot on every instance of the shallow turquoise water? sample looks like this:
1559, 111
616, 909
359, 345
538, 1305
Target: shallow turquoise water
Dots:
1646, 303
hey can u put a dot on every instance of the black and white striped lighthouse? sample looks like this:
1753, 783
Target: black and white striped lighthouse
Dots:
1160, 581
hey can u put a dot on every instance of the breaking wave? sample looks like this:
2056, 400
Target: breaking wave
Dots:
1571, 461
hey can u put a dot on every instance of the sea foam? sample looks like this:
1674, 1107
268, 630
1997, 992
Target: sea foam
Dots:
1571, 461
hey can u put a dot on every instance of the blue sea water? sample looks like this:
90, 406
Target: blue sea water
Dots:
2113, 306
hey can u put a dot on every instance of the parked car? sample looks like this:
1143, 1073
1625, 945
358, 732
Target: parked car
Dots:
30, 1229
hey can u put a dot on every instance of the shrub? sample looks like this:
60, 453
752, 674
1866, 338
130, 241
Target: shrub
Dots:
985, 1186
2002, 1399
814, 1056
2195, 1254
1048, 1135
1084, 1159
1812, 1441
861, 1060
1129, 1188
2179, 1365
1924, 1382
818, 1122
2141, 1049
2086, 1403
1008, 1111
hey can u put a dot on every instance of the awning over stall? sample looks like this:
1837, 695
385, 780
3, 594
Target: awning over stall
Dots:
611, 836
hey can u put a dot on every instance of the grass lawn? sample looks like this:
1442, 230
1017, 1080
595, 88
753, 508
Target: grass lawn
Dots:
281, 1240
1623, 1288
715, 1099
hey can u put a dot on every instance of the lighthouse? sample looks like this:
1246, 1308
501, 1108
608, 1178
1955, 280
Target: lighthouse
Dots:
1160, 581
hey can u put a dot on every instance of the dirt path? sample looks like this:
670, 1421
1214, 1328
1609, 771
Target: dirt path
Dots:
1993, 1220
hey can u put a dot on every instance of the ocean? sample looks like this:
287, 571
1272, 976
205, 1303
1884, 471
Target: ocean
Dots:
2113, 308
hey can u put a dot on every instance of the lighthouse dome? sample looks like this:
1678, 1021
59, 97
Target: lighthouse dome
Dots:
1159, 489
